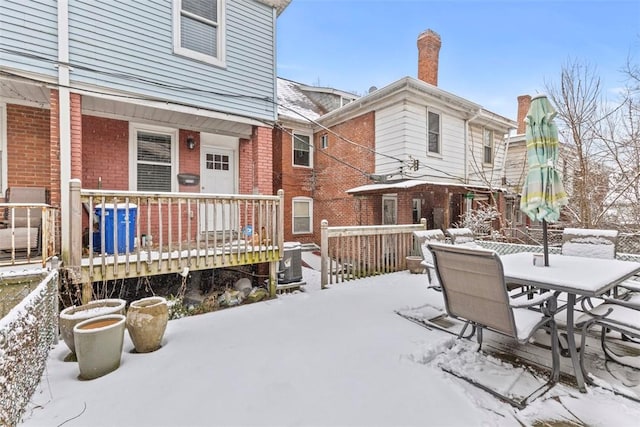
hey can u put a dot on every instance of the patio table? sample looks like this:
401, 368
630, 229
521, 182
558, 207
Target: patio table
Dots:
587, 277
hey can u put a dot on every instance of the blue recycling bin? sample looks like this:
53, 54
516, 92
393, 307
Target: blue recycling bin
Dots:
115, 216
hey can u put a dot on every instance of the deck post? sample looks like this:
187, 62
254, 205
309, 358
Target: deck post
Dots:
273, 278
75, 237
324, 253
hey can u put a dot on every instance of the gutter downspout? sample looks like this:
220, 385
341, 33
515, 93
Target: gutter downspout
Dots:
466, 144
64, 111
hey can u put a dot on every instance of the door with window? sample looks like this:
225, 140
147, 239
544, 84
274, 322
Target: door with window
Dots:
218, 176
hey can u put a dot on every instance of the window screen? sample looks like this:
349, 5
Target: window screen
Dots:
433, 132
301, 216
154, 162
199, 25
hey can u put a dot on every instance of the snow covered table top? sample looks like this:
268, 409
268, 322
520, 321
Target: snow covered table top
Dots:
577, 275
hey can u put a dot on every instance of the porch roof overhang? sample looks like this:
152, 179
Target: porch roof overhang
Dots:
164, 113
411, 183
34, 91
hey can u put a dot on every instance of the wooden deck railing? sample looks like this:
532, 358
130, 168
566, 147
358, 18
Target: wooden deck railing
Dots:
360, 251
130, 234
31, 242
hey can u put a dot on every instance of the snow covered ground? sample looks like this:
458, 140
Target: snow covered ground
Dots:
334, 357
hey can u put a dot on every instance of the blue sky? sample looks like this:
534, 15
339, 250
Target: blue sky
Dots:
492, 51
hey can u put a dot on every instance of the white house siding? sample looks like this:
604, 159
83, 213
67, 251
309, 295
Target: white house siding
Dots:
479, 172
401, 132
29, 27
111, 39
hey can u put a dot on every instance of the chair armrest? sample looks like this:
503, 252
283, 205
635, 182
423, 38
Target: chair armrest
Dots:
631, 284
547, 299
634, 304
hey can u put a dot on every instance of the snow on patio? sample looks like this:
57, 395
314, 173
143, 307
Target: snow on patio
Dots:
340, 356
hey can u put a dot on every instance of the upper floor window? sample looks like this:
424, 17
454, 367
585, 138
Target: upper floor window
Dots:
154, 158
433, 132
198, 30
302, 150
487, 144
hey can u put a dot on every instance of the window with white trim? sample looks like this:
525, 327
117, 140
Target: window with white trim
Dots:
302, 215
198, 30
154, 155
487, 144
433, 132
302, 150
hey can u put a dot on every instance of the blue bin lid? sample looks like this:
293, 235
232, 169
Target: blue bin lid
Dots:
120, 206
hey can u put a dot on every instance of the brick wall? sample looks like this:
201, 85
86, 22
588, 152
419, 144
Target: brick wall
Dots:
189, 159
28, 150
105, 153
333, 177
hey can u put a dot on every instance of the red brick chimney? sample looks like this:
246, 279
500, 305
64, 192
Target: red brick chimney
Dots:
428, 52
524, 102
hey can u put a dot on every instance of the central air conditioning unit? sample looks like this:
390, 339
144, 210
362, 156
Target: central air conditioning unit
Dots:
290, 269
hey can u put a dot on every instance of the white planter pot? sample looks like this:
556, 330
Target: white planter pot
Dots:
71, 316
146, 322
414, 264
98, 344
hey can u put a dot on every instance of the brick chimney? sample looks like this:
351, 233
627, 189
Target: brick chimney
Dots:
524, 102
428, 53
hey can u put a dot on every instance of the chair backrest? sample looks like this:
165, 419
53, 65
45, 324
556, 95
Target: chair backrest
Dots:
473, 286
592, 243
26, 195
424, 237
460, 236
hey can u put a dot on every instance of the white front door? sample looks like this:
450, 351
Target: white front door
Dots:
218, 175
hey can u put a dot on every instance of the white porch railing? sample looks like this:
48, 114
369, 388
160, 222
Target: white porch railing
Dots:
31, 241
122, 234
359, 251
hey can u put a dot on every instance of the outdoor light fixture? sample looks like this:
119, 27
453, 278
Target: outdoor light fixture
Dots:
191, 142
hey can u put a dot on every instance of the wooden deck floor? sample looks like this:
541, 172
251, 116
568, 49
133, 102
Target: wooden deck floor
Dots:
625, 380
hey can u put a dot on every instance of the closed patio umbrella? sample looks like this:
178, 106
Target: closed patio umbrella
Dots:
543, 194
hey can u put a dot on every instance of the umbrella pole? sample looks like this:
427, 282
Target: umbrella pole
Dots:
545, 243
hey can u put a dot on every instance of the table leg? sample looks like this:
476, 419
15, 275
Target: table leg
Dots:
571, 342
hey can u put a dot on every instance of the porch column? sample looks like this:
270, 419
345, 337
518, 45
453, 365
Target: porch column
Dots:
262, 148
64, 126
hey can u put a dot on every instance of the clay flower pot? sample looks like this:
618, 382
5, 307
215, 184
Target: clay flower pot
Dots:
71, 316
146, 322
414, 264
98, 344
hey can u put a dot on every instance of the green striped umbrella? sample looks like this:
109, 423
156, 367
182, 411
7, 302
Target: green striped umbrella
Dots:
543, 194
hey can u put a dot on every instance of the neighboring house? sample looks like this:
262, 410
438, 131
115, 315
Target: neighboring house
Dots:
295, 151
127, 95
407, 151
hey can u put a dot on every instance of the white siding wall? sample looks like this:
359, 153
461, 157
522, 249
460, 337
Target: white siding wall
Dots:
128, 46
136, 38
401, 131
479, 172
29, 27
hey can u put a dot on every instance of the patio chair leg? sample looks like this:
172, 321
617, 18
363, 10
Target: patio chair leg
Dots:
479, 337
555, 353
585, 374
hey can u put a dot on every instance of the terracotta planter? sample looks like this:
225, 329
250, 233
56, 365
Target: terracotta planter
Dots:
146, 322
414, 264
98, 344
71, 316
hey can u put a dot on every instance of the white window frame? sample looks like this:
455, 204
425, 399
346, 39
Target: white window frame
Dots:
219, 60
439, 152
293, 149
134, 128
301, 199
485, 146
324, 141
4, 174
